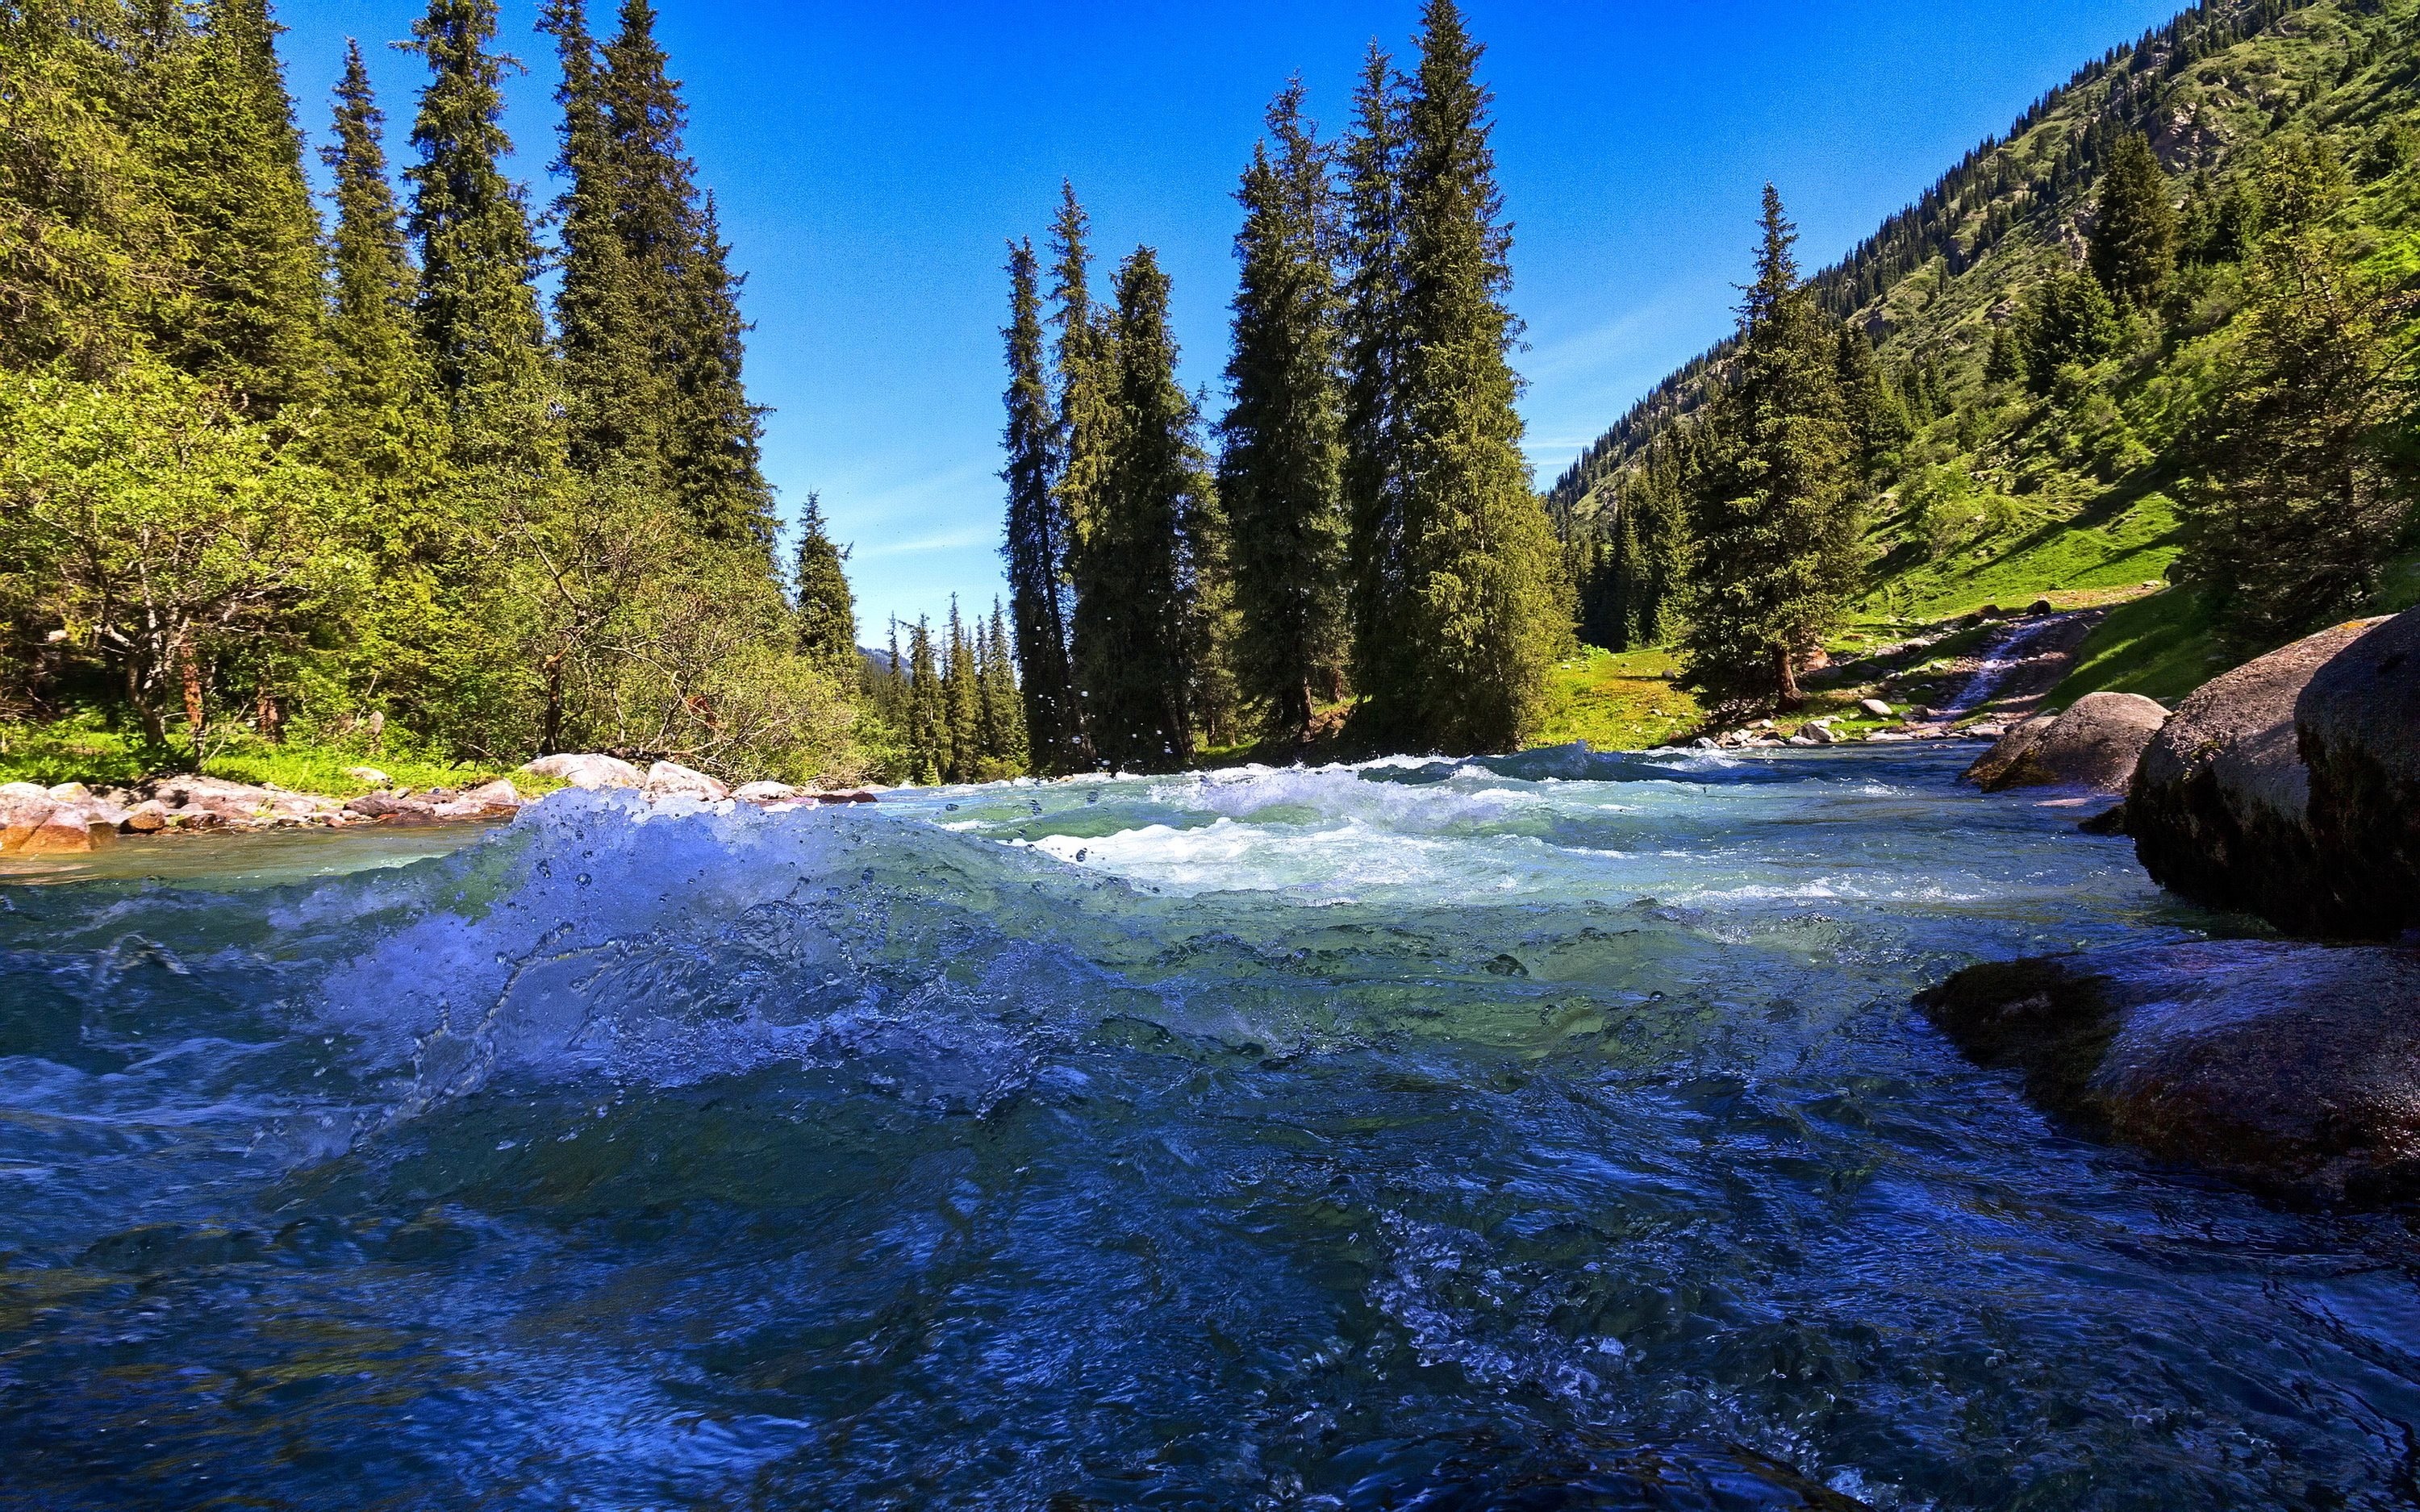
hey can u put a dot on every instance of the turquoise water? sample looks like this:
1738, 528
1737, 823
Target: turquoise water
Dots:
1551, 1132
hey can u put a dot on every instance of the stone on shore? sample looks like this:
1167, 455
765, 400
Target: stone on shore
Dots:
498, 796
148, 817
1876, 707
588, 771
2292, 1068
370, 775
766, 793
2357, 730
2220, 805
666, 779
2095, 745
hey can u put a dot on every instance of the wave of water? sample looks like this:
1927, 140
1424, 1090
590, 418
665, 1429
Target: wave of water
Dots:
1551, 1130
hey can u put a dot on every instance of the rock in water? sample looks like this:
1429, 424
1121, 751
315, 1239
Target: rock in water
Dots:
2219, 807
2094, 744
590, 771
2293, 1068
667, 780
765, 793
2357, 729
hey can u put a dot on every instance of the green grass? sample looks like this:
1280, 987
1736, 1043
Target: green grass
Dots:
2162, 646
1618, 701
82, 749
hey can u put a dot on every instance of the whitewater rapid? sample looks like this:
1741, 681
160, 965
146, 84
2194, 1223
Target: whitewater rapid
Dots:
1434, 1134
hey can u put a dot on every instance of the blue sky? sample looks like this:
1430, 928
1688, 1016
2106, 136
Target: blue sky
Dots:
870, 159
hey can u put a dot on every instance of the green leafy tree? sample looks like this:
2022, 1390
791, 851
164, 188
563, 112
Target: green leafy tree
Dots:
1037, 545
1137, 640
1486, 612
826, 609
477, 307
2133, 248
1773, 511
1280, 464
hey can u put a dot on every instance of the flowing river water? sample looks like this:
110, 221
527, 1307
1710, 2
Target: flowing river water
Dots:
1548, 1132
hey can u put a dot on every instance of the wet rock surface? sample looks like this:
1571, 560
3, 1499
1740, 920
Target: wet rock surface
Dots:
2095, 743
2289, 1067
2220, 807
2357, 731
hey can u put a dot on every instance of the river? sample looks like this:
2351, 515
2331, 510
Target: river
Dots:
1551, 1132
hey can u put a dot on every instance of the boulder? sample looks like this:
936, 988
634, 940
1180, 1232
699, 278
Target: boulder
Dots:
2291, 1068
21, 814
497, 795
1877, 708
62, 831
1818, 734
2357, 730
389, 806
69, 792
765, 791
370, 775
666, 779
148, 817
2038, 607
590, 771
852, 795
2219, 806
2094, 744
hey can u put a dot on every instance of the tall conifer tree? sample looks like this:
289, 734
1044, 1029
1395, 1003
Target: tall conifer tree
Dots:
1373, 163
1281, 465
928, 717
1037, 545
1003, 722
1137, 634
1485, 611
220, 131
1085, 359
826, 609
2135, 229
684, 296
962, 702
380, 378
1774, 505
478, 310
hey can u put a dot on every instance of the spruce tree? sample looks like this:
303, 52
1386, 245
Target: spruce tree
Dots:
478, 310
1280, 464
684, 296
1003, 723
1137, 635
382, 421
230, 161
1485, 613
1085, 358
1037, 545
618, 404
928, 717
2134, 245
826, 611
1774, 515
962, 702
1371, 164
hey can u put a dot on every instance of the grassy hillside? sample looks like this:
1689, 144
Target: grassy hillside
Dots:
1999, 494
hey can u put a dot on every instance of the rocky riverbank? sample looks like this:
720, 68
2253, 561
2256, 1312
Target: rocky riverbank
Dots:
73, 819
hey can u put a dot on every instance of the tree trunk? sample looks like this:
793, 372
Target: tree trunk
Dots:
189, 676
1785, 666
550, 732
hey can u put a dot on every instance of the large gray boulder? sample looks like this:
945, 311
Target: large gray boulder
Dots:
2357, 730
2293, 1068
2219, 807
2094, 744
588, 771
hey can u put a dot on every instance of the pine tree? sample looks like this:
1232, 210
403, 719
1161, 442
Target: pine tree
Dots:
1281, 465
1136, 634
1371, 164
1487, 613
1003, 721
1037, 545
2072, 322
618, 404
928, 717
684, 296
962, 702
478, 310
229, 162
2307, 490
383, 421
1086, 362
1772, 505
826, 610
2135, 229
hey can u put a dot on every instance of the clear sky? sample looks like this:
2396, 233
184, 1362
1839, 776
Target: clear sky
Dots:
869, 159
